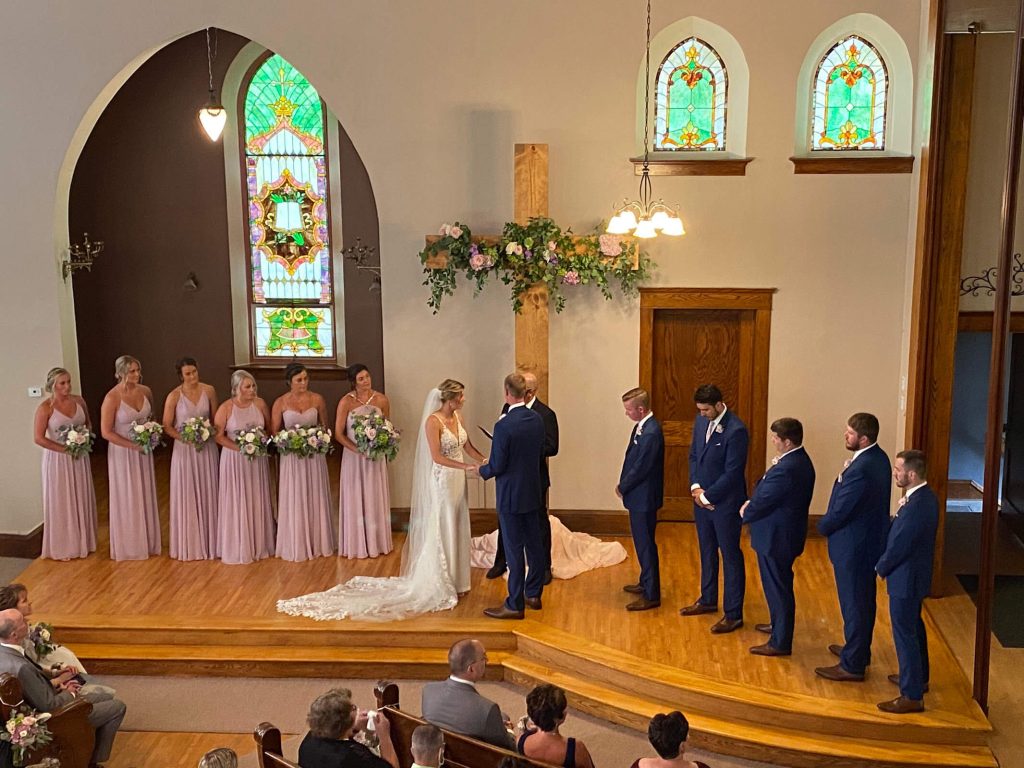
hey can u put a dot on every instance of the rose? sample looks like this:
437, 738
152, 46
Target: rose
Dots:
572, 277
250, 437
514, 248
250, 449
610, 245
140, 428
477, 262
371, 433
205, 434
445, 230
455, 231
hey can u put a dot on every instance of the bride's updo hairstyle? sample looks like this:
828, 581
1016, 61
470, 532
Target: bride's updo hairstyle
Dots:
450, 389
122, 364
51, 378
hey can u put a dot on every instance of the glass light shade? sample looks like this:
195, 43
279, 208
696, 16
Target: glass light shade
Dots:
213, 117
673, 227
659, 219
645, 228
617, 226
628, 219
287, 217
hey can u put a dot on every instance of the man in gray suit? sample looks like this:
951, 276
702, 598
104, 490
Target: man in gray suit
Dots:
106, 715
455, 704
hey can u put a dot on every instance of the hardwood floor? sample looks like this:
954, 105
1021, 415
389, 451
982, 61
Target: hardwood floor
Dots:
147, 749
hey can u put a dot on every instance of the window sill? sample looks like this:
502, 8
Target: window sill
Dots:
318, 371
844, 163
693, 165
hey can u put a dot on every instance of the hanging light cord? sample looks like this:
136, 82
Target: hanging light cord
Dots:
210, 56
645, 178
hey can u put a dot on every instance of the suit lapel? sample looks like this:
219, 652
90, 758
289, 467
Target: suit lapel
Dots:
721, 424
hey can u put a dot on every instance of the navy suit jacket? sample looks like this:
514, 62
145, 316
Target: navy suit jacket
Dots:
642, 480
515, 461
550, 436
778, 509
719, 464
906, 564
857, 518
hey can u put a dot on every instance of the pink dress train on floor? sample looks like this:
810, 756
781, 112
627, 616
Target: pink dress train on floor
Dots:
364, 526
304, 526
134, 514
245, 525
69, 501
193, 489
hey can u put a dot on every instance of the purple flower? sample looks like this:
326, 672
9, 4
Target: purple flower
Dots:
528, 254
572, 277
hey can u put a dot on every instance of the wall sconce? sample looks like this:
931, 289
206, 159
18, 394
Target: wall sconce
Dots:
359, 254
80, 256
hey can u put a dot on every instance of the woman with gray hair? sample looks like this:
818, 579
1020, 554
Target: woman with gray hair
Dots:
245, 525
222, 757
333, 720
134, 518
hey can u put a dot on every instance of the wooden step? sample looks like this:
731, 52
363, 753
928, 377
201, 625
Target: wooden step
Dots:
756, 741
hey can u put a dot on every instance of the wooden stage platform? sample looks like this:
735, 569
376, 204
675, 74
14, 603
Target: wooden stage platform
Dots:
163, 617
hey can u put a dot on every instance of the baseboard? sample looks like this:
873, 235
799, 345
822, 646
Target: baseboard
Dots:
593, 521
27, 545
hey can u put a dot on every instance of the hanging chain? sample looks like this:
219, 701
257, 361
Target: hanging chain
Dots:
647, 83
210, 56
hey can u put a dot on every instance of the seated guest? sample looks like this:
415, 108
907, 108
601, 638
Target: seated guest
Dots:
106, 715
456, 705
667, 734
546, 705
333, 720
222, 757
427, 747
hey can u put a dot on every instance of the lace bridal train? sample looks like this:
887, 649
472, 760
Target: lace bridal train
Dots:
427, 580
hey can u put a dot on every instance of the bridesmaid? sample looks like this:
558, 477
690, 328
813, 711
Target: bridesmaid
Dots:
69, 502
365, 517
193, 473
304, 528
134, 518
245, 525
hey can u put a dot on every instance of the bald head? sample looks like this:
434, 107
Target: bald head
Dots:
12, 626
531, 383
464, 659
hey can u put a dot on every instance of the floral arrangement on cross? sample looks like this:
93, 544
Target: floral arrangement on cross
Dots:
525, 255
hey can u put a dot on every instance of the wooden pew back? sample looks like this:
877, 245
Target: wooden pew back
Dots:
73, 737
268, 747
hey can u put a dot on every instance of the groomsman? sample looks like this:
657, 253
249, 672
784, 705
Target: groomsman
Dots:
641, 488
777, 515
906, 567
855, 525
550, 449
718, 460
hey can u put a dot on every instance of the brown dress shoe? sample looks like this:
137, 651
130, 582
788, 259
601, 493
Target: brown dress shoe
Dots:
533, 602
633, 589
643, 604
901, 705
501, 612
838, 674
836, 649
895, 680
766, 628
767, 650
697, 609
726, 625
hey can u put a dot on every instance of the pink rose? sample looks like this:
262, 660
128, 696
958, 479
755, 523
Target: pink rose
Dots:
445, 230
455, 231
572, 277
478, 261
610, 245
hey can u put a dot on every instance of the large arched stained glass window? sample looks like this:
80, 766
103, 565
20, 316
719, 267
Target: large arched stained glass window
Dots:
691, 94
851, 89
285, 166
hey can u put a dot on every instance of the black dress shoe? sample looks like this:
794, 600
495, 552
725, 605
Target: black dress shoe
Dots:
766, 628
724, 625
501, 612
767, 650
633, 589
547, 577
643, 604
533, 602
895, 680
496, 571
697, 609
901, 705
838, 674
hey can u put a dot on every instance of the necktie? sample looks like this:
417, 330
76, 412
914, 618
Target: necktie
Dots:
711, 428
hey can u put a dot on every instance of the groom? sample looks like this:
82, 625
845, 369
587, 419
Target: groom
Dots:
515, 461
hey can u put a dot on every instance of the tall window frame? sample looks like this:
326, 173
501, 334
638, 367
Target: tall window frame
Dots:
850, 98
693, 64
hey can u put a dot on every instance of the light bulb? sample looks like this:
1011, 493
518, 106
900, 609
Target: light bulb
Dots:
645, 229
673, 227
659, 219
617, 226
628, 219
213, 117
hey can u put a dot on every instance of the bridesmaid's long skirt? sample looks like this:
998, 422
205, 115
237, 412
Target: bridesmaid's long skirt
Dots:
134, 518
304, 527
245, 515
364, 528
193, 513
69, 507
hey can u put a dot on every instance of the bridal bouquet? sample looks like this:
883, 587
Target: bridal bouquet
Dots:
148, 434
197, 432
26, 730
304, 441
41, 636
252, 442
376, 437
77, 439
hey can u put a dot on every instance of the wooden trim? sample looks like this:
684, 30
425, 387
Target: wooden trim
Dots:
27, 545
693, 166
981, 322
321, 372
706, 298
849, 163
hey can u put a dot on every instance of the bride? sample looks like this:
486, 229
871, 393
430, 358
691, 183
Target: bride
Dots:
435, 559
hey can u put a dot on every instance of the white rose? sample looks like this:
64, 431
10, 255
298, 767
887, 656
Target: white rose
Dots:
140, 428
45, 634
205, 435
250, 437
250, 449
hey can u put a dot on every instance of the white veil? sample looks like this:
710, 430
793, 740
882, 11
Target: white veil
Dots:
423, 584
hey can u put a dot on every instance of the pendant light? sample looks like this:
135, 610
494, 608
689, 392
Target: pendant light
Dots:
213, 116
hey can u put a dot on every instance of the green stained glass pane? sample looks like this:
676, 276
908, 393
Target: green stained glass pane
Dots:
279, 96
293, 332
691, 94
850, 97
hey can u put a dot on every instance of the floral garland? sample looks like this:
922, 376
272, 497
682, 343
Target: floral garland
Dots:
539, 252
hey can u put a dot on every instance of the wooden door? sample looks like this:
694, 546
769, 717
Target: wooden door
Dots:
707, 336
1013, 441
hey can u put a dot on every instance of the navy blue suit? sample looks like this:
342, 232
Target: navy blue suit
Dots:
777, 516
906, 567
515, 461
855, 525
642, 483
718, 466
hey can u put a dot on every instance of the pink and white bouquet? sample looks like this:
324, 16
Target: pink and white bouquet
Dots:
197, 432
252, 442
147, 434
376, 437
304, 441
41, 637
77, 440
26, 730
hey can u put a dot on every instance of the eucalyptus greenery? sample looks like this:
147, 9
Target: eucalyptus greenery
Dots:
539, 252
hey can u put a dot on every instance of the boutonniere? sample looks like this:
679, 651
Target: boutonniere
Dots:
719, 429
775, 460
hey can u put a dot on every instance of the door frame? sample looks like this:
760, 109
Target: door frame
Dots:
757, 299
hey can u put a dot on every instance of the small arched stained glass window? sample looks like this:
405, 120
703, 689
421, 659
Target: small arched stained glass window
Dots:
851, 90
691, 94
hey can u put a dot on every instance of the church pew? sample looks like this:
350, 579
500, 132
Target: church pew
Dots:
73, 736
268, 747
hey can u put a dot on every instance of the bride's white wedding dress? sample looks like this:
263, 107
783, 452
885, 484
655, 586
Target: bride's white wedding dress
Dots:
435, 558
